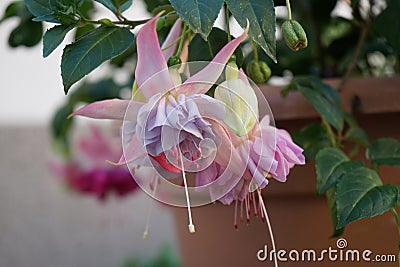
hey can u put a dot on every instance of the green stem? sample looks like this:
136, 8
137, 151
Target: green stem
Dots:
181, 41
329, 130
289, 9
255, 50
228, 30
397, 219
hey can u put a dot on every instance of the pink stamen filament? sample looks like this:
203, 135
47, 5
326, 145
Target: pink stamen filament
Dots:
235, 216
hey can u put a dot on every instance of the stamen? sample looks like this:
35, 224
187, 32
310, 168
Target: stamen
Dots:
235, 216
146, 230
254, 204
268, 224
241, 211
246, 202
191, 225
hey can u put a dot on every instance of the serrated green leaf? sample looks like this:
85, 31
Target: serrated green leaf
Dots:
89, 51
360, 194
113, 5
330, 112
384, 151
338, 172
40, 8
321, 96
312, 139
326, 161
199, 15
53, 38
56, 11
261, 16
331, 200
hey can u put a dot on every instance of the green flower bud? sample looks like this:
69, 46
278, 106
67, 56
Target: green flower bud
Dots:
174, 61
161, 22
106, 22
258, 71
294, 35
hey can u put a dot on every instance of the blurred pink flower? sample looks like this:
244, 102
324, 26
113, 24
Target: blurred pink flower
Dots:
87, 171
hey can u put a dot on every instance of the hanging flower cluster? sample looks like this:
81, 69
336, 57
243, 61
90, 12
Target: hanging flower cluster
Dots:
178, 128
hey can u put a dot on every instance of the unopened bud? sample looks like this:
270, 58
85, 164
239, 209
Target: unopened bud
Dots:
294, 35
258, 71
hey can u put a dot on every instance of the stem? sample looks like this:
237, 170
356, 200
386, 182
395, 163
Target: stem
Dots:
329, 130
255, 50
397, 219
357, 51
289, 9
228, 30
181, 41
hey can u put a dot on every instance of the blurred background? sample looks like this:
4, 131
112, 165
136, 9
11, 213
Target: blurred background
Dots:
42, 223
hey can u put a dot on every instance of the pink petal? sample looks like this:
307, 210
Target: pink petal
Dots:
172, 36
133, 151
151, 61
113, 109
201, 82
227, 156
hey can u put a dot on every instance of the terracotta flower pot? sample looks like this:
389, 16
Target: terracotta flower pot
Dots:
299, 218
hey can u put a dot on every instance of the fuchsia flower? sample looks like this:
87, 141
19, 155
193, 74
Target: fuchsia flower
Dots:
266, 151
177, 127
181, 112
88, 173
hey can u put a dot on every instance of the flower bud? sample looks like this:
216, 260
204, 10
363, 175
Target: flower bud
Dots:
240, 101
258, 71
106, 22
294, 35
161, 22
174, 61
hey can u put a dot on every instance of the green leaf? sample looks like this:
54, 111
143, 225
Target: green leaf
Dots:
327, 110
92, 49
91, 92
53, 38
200, 50
60, 125
27, 33
321, 96
360, 194
200, 15
338, 172
331, 200
12, 10
261, 16
355, 133
114, 5
41, 7
312, 139
384, 151
56, 11
326, 161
